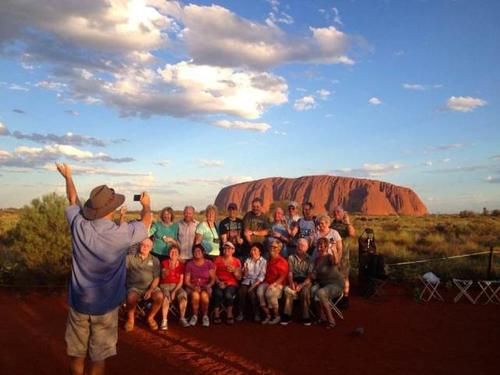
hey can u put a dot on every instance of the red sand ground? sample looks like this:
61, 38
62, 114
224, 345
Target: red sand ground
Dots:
401, 337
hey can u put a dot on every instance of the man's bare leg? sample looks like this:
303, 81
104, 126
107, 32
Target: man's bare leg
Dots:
97, 367
77, 365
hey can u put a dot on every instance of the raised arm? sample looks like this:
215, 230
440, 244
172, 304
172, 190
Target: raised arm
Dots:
146, 215
65, 171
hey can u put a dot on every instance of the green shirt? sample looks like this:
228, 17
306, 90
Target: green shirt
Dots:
209, 238
141, 272
158, 231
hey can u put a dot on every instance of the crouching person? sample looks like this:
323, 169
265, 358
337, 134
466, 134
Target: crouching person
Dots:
143, 277
270, 291
300, 267
171, 283
329, 282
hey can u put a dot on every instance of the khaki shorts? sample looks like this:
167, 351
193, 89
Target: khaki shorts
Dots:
141, 292
95, 335
167, 289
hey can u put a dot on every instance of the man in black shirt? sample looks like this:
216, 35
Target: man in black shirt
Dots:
231, 229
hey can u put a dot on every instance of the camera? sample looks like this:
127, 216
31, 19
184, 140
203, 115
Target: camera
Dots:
137, 197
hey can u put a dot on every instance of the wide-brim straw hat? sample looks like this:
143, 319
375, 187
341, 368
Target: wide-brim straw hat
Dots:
102, 201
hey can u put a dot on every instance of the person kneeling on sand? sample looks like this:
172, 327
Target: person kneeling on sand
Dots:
97, 284
143, 277
172, 279
272, 288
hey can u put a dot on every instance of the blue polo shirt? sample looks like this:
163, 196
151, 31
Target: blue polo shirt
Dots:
98, 273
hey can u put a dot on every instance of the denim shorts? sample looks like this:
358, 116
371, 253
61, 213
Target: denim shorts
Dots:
93, 334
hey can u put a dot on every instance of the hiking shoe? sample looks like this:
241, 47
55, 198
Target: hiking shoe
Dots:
184, 322
205, 321
193, 320
275, 320
240, 317
307, 322
164, 325
266, 320
286, 320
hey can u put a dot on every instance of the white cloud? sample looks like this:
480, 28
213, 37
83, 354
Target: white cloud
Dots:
211, 163
3, 129
324, 94
89, 170
336, 18
243, 125
464, 103
414, 86
493, 179
428, 163
369, 170
16, 87
446, 147
223, 181
209, 89
374, 101
305, 104
216, 36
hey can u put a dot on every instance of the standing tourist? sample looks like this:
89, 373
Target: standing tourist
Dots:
187, 229
231, 229
165, 233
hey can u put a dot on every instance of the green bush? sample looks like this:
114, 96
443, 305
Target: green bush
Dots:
39, 246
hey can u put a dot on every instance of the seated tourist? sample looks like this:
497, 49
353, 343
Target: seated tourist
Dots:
300, 266
227, 276
172, 279
199, 278
254, 272
329, 283
143, 277
272, 288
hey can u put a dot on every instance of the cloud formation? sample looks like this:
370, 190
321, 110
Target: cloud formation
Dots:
261, 127
374, 101
305, 103
464, 103
211, 163
369, 170
446, 147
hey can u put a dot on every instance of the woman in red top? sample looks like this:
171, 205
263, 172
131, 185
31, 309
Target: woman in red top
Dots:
227, 276
271, 289
172, 278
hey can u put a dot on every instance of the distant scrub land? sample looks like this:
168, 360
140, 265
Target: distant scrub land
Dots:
35, 243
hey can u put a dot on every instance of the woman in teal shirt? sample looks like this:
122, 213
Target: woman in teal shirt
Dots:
164, 232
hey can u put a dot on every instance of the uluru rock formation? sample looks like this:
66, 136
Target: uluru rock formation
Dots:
370, 197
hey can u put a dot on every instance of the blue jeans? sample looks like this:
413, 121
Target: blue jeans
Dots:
224, 295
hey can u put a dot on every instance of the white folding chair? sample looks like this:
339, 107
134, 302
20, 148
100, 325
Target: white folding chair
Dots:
430, 289
333, 305
490, 289
463, 290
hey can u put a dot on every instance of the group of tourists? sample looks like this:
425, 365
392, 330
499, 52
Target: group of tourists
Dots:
252, 261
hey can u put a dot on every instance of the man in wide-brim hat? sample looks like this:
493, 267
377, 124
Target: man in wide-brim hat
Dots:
97, 285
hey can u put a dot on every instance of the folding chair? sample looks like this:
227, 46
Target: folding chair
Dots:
430, 288
490, 289
333, 305
463, 288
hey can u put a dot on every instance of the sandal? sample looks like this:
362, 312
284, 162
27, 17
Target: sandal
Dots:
152, 325
230, 321
217, 320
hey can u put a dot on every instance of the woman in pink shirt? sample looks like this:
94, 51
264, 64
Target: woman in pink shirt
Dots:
199, 278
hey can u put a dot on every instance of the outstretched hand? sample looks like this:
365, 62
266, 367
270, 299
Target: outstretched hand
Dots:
64, 169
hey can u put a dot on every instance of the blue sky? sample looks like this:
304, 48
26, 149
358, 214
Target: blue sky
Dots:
182, 99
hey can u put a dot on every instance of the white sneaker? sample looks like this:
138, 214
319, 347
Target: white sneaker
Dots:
266, 320
184, 322
164, 325
193, 320
205, 322
275, 320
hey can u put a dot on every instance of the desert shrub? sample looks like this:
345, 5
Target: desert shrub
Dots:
466, 213
40, 245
